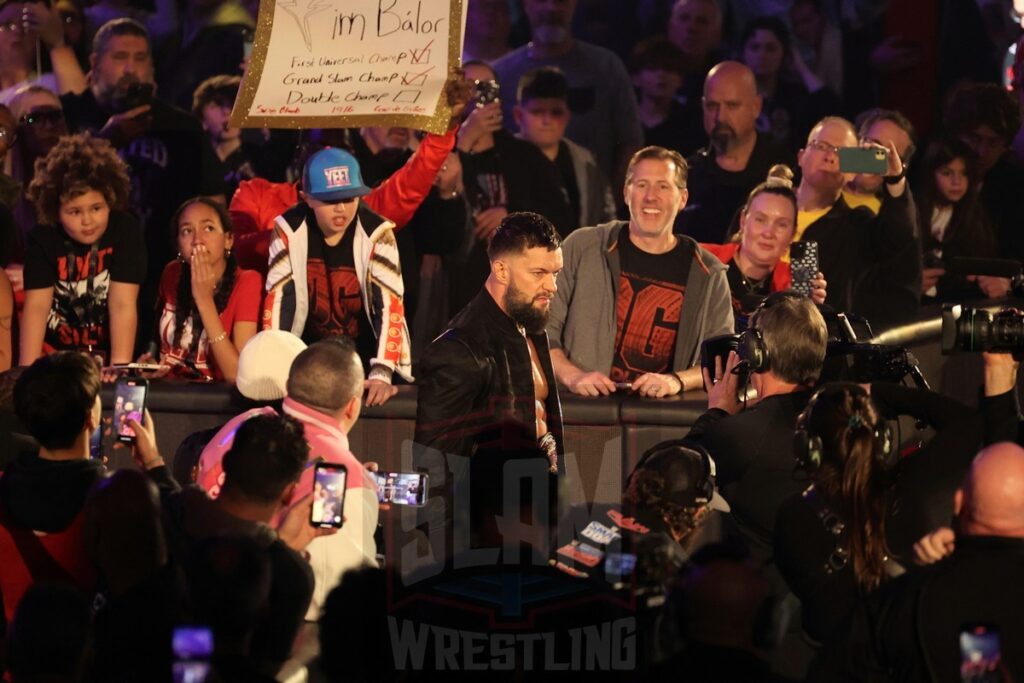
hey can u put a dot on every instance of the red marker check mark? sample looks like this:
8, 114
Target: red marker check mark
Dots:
413, 78
422, 55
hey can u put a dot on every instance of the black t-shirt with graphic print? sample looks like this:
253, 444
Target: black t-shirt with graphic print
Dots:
78, 316
652, 289
486, 185
335, 299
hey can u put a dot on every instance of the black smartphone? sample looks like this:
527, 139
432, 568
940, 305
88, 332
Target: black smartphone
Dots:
871, 160
402, 488
980, 655
193, 648
137, 95
803, 263
329, 482
487, 92
129, 404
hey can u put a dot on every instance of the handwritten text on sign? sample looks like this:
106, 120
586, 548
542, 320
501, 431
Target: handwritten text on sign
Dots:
342, 63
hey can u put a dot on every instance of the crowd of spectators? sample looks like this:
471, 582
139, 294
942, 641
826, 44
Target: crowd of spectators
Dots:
668, 153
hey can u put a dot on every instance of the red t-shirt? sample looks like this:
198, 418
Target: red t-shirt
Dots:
243, 307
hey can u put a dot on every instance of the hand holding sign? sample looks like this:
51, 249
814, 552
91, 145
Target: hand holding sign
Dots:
350, 63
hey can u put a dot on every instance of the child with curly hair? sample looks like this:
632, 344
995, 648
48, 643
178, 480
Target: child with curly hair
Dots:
85, 259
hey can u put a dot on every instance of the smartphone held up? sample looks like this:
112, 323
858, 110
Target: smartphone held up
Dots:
872, 160
129, 404
329, 482
401, 488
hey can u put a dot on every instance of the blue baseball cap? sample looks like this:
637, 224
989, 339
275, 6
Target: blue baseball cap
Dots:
333, 174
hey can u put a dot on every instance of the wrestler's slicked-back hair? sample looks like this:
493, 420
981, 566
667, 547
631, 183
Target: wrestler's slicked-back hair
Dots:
327, 375
521, 231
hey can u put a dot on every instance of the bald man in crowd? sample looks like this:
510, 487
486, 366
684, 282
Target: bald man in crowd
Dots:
974, 596
872, 263
737, 158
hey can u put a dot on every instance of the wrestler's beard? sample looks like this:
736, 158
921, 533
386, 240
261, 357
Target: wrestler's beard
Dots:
524, 312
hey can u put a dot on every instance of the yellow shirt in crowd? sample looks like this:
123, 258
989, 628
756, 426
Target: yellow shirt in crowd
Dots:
804, 219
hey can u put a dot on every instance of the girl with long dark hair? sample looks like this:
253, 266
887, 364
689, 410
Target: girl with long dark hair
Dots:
210, 306
856, 523
954, 223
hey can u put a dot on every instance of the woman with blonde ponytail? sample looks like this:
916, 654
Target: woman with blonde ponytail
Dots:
758, 256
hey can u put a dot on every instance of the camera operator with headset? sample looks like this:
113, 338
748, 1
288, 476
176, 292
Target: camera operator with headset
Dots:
783, 350
855, 525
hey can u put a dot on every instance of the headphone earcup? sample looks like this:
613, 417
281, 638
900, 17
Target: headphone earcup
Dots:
751, 350
886, 442
807, 449
814, 451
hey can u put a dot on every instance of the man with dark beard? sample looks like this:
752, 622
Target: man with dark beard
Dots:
495, 351
487, 391
738, 158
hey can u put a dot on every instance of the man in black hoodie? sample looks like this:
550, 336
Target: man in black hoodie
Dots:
43, 491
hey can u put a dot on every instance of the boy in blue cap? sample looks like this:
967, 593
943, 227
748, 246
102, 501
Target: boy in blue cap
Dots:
334, 270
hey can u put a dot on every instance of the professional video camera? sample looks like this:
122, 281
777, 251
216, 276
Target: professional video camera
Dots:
846, 357
862, 362
977, 329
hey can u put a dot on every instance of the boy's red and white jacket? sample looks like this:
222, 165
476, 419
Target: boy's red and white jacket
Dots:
378, 269
329, 556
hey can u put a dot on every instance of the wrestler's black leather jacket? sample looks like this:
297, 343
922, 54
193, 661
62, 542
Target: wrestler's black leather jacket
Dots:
476, 388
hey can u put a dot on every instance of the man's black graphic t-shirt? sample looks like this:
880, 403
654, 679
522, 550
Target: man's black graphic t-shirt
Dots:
81, 279
652, 288
486, 185
335, 299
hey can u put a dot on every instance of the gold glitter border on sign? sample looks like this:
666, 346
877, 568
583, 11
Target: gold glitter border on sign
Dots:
435, 123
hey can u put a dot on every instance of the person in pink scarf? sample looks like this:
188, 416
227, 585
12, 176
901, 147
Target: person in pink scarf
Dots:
325, 389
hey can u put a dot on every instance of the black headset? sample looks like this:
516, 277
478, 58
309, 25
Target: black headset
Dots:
706, 487
751, 349
807, 446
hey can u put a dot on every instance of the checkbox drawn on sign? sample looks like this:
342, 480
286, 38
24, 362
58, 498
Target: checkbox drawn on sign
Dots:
414, 78
422, 56
407, 96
